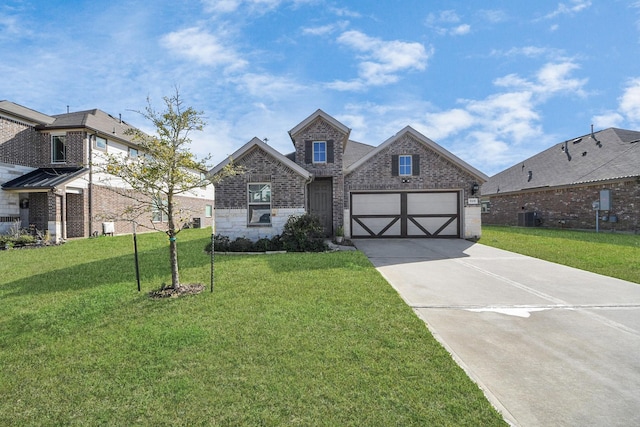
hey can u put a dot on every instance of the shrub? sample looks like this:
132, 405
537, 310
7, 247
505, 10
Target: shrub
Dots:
262, 245
221, 244
303, 233
241, 244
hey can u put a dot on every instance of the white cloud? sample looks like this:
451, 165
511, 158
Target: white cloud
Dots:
326, 29
445, 124
381, 61
574, 7
494, 16
630, 101
552, 78
202, 47
461, 30
607, 120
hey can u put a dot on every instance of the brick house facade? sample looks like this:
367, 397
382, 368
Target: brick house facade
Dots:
557, 187
328, 173
49, 177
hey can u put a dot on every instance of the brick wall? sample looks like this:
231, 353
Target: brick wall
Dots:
436, 172
76, 149
19, 143
76, 215
321, 130
110, 206
287, 186
570, 207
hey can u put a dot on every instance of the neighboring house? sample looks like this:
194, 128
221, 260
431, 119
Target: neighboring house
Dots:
50, 180
408, 186
558, 187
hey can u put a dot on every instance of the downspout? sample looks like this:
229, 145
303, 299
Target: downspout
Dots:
90, 187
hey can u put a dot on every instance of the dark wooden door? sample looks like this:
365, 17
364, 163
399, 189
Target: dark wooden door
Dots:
321, 203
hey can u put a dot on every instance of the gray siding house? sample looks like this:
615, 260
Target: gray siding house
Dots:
408, 186
558, 187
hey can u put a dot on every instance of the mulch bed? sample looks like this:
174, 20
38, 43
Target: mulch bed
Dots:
180, 291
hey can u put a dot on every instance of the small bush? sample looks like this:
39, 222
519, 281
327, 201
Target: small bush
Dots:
303, 233
241, 244
263, 245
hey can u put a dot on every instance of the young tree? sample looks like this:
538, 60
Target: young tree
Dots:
164, 169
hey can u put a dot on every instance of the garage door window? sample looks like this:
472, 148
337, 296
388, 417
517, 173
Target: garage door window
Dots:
259, 204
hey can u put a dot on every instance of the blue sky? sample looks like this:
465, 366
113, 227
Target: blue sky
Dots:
494, 82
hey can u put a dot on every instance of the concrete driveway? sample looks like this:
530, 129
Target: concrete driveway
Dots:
548, 344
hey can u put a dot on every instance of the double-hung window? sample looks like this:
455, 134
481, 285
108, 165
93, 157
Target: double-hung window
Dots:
58, 149
405, 165
319, 151
259, 204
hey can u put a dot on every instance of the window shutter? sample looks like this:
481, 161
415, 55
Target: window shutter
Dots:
415, 165
330, 151
394, 165
308, 152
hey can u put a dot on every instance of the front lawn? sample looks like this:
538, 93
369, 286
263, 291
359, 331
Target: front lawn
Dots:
289, 339
614, 255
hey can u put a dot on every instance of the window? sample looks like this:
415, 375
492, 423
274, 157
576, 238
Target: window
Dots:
259, 204
159, 211
319, 152
58, 149
405, 165
133, 153
208, 211
101, 143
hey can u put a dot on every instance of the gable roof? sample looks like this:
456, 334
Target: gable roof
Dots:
44, 179
257, 143
25, 113
605, 155
95, 120
321, 114
424, 140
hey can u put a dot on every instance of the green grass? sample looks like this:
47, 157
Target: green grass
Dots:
615, 255
290, 339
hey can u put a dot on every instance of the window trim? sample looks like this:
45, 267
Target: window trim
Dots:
253, 203
404, 167
63, 138
320, 145
208, 211
130, 150
156, 211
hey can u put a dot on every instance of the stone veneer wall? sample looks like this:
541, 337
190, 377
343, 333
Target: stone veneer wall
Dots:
570, 207
233, 223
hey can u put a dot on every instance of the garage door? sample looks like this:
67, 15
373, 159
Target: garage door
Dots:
405, 214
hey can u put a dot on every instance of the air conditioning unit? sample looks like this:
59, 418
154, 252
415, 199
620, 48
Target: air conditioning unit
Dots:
108, 228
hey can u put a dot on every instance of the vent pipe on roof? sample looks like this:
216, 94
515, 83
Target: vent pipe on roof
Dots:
120, 117
67, 109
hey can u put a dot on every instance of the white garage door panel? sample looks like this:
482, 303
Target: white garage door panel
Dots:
432, 203
377, 204
433, 226
376, 225
405, 214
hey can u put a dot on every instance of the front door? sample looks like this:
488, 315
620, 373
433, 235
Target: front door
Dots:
321, 203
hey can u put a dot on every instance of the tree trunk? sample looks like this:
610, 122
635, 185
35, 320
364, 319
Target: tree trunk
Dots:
173, 257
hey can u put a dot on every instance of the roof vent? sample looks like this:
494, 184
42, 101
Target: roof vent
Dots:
530, 176
575, 141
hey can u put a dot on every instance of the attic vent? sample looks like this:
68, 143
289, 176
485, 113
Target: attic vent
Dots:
575, 141
634, 141
530, 176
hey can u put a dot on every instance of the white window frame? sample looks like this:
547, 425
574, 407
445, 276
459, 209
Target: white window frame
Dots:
208, 211
405, 169
322, 151
258, 199
158, 214
62, 138
133, 153
101, 147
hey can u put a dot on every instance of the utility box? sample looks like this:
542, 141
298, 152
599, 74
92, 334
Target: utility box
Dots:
605, 200
527, 219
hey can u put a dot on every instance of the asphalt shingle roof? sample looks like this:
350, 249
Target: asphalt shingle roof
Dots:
608, 154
